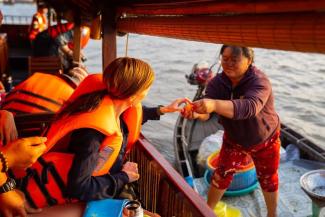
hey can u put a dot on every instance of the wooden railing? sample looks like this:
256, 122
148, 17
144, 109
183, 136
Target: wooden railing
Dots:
162, 189
48, 64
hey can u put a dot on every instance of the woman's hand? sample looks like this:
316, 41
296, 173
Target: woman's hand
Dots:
8, 131
78, 73
12, 204
199, 109
28, 208
175, 106
131, 169
204, 106
22, 153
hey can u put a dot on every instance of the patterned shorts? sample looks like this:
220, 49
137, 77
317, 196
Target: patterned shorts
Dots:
266, 157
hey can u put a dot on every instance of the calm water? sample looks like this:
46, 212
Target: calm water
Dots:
298, 80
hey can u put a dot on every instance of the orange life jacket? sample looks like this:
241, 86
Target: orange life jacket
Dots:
39, 24
58, 29
2, 88
41, 92
54, 166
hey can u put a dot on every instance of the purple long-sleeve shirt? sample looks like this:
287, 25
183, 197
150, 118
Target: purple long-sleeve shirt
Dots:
255, 119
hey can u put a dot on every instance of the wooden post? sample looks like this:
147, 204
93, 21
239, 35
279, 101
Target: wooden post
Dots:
109, 36
76, 44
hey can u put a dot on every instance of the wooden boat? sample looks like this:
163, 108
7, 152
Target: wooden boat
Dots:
286, 25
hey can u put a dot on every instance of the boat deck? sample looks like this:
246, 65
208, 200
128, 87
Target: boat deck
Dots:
293, 202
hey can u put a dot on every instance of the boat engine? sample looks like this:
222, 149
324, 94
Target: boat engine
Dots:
201, 74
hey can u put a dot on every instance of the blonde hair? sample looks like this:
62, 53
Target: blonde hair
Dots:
125, 77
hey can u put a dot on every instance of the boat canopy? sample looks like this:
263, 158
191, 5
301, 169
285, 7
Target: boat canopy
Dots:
295, 25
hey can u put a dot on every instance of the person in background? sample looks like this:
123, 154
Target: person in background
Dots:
65, 46
15, 153
96, 129
242, 97
39, 22
57, 40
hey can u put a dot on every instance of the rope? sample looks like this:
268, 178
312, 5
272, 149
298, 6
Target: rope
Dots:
127, 45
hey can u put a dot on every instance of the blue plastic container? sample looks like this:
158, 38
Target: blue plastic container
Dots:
105, 208
241, 180
244, 177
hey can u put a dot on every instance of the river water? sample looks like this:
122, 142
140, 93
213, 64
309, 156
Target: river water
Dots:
298, 80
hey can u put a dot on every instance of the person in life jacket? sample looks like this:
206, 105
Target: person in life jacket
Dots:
15, 153
12, 202
43, 92
45, 43
39, 22
65, 44
57, 40
92, 135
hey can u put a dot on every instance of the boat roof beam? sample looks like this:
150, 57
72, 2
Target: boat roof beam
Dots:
303, 32
109, 36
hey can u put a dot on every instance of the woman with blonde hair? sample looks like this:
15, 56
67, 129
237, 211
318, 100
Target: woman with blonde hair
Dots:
93, 133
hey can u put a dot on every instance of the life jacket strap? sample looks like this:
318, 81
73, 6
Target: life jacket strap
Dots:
28, 104
50, 167
34, 95
22, 185
41, 181
50, 200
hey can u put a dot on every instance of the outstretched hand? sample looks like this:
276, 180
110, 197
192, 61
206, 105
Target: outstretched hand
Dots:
175, 106
204, 106
199, 109
191, 110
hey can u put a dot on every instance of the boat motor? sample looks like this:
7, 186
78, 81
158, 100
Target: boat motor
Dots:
201, 74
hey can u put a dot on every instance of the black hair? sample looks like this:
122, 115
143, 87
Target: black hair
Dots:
246, 51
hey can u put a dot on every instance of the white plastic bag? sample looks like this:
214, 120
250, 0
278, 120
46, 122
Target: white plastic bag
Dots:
209, 145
